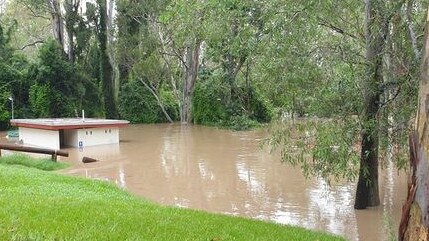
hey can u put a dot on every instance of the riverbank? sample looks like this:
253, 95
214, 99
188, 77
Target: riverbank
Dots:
39, 205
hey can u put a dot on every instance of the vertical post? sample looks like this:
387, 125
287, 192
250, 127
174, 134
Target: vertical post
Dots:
11, 99
54, 156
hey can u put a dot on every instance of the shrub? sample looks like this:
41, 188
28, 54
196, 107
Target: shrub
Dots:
138, 105
240, 108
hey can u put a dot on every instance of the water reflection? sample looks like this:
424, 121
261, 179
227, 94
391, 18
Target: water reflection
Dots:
226, 172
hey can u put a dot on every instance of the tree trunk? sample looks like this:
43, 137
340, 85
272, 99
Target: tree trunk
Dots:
128, 33
158, 100
110, 40
71, 9
191, 74
106, 70
410, 26
415, 212
57, 21
367, 194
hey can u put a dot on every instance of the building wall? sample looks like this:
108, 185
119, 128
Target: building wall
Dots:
91, 137
40, 138
72, 137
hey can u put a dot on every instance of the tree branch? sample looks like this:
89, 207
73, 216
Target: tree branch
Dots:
34, 14
32, 44
337, 29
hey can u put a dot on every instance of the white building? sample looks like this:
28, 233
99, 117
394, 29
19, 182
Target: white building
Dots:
58, 133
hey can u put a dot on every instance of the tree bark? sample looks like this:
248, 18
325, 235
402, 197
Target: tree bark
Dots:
110, 40
57, 21
191, 74
410, 26
414, 224
106, 70
367, 193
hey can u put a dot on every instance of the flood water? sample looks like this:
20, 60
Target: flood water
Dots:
226, 172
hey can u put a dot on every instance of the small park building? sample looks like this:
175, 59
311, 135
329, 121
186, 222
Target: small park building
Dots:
72, 132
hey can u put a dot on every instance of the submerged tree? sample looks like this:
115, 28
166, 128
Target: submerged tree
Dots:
376, 28
371, 60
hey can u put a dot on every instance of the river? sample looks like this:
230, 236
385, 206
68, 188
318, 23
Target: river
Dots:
227, 172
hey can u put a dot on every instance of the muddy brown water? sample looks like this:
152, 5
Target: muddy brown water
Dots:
222, 171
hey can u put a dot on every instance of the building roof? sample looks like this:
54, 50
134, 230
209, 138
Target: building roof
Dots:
67, 123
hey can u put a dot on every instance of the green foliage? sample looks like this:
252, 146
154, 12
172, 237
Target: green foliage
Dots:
12, 71
207, 105
328, 148
40, 99
58, 86
138, 105
246, 108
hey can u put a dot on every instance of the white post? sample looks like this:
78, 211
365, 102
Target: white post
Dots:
83, 115
11, 99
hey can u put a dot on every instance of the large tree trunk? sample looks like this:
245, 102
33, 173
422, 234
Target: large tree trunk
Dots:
112, 57
57, 21
191, 74
367, 194
71, 7
106, 70
415, 212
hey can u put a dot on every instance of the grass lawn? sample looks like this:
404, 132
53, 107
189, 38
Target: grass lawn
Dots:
39, 205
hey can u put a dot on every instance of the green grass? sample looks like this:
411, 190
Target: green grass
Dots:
24, 160
39, 205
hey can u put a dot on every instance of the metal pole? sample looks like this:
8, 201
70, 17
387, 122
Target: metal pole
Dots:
12, 110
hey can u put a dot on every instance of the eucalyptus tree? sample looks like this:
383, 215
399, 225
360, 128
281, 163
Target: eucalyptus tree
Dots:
98, 15
137, 50
52, 8
415, 212
182, 33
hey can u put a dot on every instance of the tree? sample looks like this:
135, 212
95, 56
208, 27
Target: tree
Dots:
181, 32
415, 212
379, 67
57, 87
376, 27
98, 16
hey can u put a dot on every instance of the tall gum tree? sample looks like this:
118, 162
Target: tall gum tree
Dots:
182, 34
415, 212
106, 69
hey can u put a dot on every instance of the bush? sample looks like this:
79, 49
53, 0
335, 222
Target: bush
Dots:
57, 87
240, 109
207, 106
138, 105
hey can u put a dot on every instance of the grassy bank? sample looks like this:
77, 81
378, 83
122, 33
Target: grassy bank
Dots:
38, 205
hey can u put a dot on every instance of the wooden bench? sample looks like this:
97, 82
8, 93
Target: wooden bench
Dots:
53, 153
